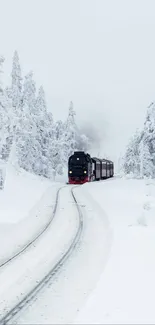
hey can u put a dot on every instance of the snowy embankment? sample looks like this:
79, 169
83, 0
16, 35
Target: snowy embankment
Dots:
26, 206
125, 293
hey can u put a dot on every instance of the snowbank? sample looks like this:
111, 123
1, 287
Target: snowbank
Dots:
26, 205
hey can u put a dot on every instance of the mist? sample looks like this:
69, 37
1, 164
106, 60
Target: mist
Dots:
99, 54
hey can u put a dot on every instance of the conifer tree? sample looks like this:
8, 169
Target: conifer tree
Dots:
132, 155
16, 83
4, 128
15, 93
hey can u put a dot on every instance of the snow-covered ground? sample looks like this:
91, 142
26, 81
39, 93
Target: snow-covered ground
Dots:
126, 290
22, 275
26, 205
59, 302
110, 277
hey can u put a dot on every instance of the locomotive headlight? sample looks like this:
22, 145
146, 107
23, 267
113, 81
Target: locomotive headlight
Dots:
85, 172
70, 172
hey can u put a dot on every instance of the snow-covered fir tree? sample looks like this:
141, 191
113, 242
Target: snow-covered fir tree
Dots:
4, 128
132, 155
70, 133
148, 143
59, 158
41, 102
45, 135
16, 83
146, 163
5, 119
139, 158
28, 144
29, 93
15, 93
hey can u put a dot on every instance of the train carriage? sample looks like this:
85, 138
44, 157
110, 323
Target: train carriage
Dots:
97, 168
108, 168
111, 168
104, 169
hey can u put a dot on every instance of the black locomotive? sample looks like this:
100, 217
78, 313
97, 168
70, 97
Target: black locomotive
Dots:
83, 168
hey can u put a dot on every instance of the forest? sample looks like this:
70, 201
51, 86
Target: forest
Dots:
30, 138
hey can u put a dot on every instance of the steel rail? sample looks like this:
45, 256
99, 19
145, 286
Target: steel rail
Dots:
36, 237
33, 293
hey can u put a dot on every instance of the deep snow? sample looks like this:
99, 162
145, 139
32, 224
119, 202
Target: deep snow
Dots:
125, 293
22, 190
21, 276
110, 277
26, 205
59, 302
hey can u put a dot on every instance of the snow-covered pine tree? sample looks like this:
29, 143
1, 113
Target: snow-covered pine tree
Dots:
57, 149
44, 123
59, 130
29, 150
7, 123
29, 92
132, 155
148, 143
4, 129
16, 83
52, 148
146, 163
16, 114
70, 133
41, 106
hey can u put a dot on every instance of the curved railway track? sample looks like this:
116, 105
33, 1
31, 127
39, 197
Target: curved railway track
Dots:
36, 237
33, 293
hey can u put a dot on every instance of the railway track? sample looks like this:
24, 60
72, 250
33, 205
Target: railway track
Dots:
21, 251
10, 315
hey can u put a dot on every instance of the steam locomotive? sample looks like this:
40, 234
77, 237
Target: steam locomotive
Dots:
83, 168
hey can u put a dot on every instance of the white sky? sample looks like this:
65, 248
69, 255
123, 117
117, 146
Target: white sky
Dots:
98, 53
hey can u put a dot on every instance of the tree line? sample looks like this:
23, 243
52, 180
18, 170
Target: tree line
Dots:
29, 136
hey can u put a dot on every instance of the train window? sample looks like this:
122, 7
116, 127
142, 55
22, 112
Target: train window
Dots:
78, 160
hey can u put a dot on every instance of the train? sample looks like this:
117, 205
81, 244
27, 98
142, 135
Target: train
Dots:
83, 168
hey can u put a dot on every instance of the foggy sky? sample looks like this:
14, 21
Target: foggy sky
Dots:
99, 54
